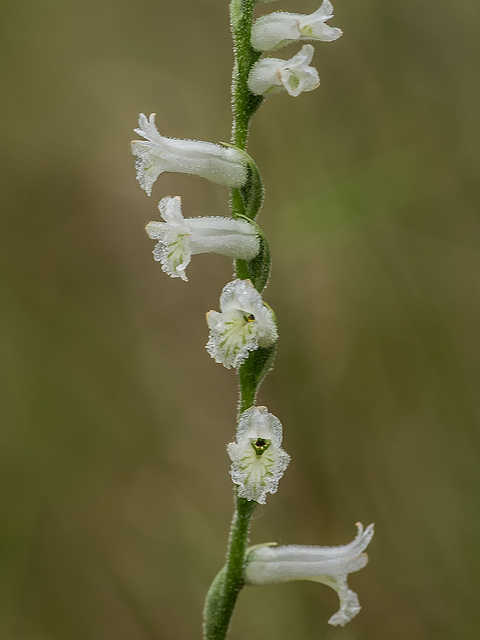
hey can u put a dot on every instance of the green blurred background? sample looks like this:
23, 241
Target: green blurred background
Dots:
115, 497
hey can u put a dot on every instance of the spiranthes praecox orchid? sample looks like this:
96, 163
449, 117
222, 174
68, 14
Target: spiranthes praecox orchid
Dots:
156, 154
243, 324
271, 564
258, 460
274, 75
275, 30
179, 238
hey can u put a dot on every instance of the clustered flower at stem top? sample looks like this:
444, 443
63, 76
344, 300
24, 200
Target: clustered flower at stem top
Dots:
243, 334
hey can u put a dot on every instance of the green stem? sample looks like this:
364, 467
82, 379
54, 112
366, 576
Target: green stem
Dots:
244, 103
223, 593
252, 373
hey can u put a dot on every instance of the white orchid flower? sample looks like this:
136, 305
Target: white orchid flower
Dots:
258, 460
269, 564
243, 325
276, 30
274, 75
156, 154
179, 238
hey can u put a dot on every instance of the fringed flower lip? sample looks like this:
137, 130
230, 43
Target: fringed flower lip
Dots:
243, 324
180, 238
274, 75
258, 460
276, 30
156, 154
271, 564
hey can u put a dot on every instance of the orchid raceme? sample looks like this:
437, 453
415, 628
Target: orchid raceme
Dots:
179, 238
269, 564
243, 333
274, 75
244, 324
276, 30
258, 460
156, 154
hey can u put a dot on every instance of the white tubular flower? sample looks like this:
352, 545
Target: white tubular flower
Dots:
267, 564
276, 30
243, 325
157, 154
273, 75
258, 460
179, 238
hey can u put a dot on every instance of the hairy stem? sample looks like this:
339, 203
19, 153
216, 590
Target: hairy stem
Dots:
222, 595
244, 103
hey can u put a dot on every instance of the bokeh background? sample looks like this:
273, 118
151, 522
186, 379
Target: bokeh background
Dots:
115, 497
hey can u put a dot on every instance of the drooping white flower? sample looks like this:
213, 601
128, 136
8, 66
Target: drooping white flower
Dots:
273, 75
269, 564
258, 460
157, 154
276, 30
179, 238
243, 325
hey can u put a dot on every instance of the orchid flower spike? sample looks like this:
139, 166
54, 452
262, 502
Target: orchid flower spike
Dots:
244, 324
258, 460
179, 238
269, 564
156, 154
273, 75
275, 30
